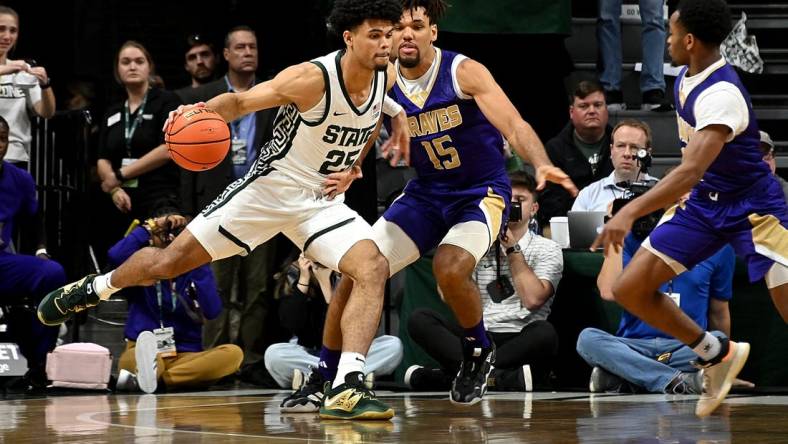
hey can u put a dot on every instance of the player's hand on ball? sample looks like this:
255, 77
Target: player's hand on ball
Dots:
550, 173
338, 183
613, 233
178, 111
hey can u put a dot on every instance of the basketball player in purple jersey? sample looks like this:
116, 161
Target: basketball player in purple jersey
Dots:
458, 117
734, 199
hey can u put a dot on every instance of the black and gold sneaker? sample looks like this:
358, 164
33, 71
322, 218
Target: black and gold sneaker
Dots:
470, 384
59, 305
353, 400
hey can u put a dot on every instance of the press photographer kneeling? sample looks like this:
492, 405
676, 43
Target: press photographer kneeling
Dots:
164, 328
517, 279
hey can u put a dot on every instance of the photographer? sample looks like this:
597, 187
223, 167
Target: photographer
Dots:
641, 358
164, 328
630, 152
517, 279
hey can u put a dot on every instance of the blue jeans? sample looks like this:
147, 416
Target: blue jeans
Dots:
635, 360
608, 33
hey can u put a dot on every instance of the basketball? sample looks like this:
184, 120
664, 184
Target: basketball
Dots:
198, 139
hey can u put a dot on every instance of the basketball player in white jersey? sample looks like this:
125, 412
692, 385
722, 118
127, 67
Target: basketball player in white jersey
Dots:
330, 109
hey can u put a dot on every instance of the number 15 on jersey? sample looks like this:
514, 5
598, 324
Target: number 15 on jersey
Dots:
442, 156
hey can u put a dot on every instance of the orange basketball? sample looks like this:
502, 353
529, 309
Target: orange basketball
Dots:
198, 139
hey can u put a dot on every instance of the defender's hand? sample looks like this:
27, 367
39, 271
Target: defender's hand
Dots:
550, 173
613, 233
398, 145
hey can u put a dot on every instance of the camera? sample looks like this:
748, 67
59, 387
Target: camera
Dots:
516, 212
642, 227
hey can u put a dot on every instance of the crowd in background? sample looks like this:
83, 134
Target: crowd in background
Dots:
259, 316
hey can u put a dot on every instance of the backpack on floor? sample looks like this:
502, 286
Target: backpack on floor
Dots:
81, 365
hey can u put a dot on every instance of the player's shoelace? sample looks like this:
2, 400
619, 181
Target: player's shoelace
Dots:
74, 301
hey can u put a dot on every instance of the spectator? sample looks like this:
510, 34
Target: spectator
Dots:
244, 279
517, 281
640, 357
304, 291
652, 79
629, 138
26, 90
767, 148
134, 167
174, 311
200, 62
24, 278
249, 132
581, 149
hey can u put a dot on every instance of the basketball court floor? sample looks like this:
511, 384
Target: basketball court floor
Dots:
241, 416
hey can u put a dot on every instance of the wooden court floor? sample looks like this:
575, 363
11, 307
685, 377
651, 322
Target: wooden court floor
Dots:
253, 416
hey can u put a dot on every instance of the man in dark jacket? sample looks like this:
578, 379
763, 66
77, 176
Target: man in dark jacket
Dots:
581, 149
249, 275
200, 189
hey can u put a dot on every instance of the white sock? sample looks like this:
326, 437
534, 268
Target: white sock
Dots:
349, 362
708, 348
103, 286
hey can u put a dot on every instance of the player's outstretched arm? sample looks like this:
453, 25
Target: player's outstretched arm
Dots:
477, 81
302, 85
704, 146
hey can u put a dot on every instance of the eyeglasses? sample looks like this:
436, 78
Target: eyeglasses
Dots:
632, 148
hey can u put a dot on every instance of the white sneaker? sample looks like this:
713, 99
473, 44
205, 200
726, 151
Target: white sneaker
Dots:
718, 378
409, 374
145, 351
127, 381
528, 380
298, 379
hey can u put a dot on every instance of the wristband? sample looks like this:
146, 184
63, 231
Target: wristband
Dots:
46, 85
390, 107
114, 190
514, 249
119, 175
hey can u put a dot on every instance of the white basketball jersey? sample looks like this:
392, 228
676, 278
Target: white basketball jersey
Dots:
307, 151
